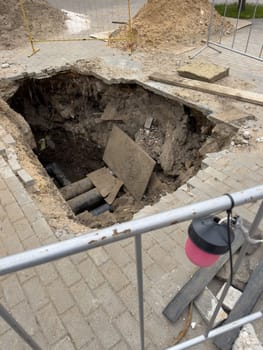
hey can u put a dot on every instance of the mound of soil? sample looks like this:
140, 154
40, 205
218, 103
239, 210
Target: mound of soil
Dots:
163, 23
44, 21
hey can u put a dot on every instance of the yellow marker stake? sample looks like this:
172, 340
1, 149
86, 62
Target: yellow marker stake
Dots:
26, 23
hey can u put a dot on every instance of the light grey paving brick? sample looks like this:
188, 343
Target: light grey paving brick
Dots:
47, 273
12, 291
25, 178
78, 258
42, 229
2, 184
154, 272
3, 325
12, 242
120, 346
129, 328
31, 242
90, 273
114, 275
68, 271
64, 344
2, 149
79, 330
84, 298
148, 241
118, 254
110, 300
23, 229
60, 296
98, 255
103, 329
23, 313
26, 274
6, 172
6, 197
22, 197
10, 340
94, 345
14, 212
129, 296
161, 257
14, 165
31, 212
8, 140
36, 293
14, 184
50, 324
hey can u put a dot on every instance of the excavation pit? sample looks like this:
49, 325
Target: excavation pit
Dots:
71, 116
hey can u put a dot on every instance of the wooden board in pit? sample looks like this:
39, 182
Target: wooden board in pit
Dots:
129, 162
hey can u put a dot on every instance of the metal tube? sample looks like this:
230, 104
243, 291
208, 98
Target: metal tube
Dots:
138, 250
118, 232
220, 330
259, 58
252, 231
18, 328
251, 27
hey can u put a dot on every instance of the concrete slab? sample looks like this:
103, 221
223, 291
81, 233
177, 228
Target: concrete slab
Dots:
203, 71
107, 184
231, 298
129, 162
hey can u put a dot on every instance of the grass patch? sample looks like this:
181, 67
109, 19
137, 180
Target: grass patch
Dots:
232, 11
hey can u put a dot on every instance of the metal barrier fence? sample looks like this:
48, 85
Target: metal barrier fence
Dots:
135, 229
78, 20
251, 43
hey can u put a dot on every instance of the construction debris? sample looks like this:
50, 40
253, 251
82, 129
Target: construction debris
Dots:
129, 162
206, 303
208, 72
231, 297
214, 89
106, 184
247, 339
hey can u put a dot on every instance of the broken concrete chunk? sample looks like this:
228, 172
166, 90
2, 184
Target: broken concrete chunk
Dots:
206, 303
129, 162
241, 276
106, 184
26, 179
203, 71
8, 139
14, 165
231, 298
247, 339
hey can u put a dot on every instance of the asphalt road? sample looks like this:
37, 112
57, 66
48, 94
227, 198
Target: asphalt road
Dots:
84, 6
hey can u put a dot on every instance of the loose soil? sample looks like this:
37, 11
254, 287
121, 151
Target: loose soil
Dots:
172, 23
44, 21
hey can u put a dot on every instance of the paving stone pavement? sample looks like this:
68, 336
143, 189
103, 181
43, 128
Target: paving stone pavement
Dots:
89, 301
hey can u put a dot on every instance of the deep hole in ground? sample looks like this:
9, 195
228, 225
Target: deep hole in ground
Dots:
71, 116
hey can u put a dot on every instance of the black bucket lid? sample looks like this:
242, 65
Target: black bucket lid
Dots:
209, 235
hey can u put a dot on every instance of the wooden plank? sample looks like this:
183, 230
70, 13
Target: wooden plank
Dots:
129, 162
243, 307
214, 89
106, 184
197, 283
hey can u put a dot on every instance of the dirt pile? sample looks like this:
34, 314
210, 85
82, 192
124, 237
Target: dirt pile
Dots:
44, 20
166, 23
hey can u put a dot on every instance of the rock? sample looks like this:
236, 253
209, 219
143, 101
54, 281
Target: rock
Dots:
241, 277
5, 65
246, 135
206, 303
247, 339
231, 297
203, 71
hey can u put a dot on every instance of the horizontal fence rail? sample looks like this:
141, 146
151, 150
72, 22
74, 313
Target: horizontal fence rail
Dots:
125, 230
